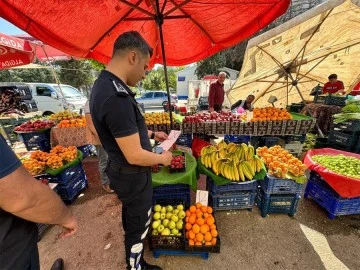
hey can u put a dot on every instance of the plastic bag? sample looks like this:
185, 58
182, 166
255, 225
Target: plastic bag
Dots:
197, 145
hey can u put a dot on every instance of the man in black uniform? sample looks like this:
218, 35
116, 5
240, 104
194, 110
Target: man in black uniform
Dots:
121, 127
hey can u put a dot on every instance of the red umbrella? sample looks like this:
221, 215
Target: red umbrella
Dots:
14, 52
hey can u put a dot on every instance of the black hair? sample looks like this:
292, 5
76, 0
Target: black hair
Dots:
251, 96
131, 40
332, 76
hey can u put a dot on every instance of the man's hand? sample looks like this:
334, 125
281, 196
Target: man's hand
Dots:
167, 157
69, 228
160, 136
211, 109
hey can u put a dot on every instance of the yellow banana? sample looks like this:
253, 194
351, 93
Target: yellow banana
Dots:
250, 169
236, 172
246, 171
259, 164
241, 172
250, 152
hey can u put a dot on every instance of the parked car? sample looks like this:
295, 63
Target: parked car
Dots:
203, 104
154, 98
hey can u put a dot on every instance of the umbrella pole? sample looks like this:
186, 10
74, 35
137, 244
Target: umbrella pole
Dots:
159, 21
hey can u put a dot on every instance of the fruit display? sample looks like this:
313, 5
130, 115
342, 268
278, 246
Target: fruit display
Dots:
158, 118
341, 164
65, 115
36, 125
206, 117
178, 163
280, 162
270, 114
200, 226
232, 161
168, 220
34, 166
155, 168
76, 122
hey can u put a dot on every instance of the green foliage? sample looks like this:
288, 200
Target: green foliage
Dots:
210, 65
96, 65
155, 79
77, 73
27, 75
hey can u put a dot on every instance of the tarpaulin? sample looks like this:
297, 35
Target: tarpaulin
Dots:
345, 186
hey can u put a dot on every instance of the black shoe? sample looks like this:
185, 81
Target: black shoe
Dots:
58, 264
151, 267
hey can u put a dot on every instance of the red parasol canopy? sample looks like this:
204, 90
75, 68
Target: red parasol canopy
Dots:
192, 30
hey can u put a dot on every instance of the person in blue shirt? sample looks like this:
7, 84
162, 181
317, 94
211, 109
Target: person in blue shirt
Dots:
24, 201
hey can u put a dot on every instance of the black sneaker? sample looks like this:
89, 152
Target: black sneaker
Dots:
58, 265
151, 267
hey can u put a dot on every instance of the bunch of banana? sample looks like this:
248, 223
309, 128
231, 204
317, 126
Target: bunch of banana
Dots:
222, 144
256, 163
222, 152
206, 159
207, 149
229, 170
218, 164
246, 171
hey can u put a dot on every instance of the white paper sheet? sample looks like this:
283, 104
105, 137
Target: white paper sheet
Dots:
173, 136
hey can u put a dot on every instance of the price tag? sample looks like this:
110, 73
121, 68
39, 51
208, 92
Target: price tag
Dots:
202, 197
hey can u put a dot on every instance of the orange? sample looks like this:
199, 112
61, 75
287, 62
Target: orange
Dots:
209, 209
214, 233
188, 213
187, 219
199, 237
191, 235
195, 228
188, 226
213, 241
200, 221
199, 214
198, 244
204, 228
198, 205
191, 242
192, 219
203, 209
192, 209
206, 215
187, 235
208, 237
208, 244
210, 221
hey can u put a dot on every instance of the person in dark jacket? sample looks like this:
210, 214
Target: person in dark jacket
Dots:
245, 104
216, 93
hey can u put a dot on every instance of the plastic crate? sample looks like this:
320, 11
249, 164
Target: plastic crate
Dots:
185, 140
235, 201
294, 148
277, 203
69, 191
272, 185
67, 175
28, 106
349, 126
334, 100
36, 140
229, 188
271, 141
345, 140
172, 192
237, 139
327, 198
158, 253
86, 150
176, 170
295, 138
168, 242
295, 107
201, 249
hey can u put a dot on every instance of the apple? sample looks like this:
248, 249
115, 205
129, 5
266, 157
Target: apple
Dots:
160, 228
162, 216
163, 209
179, 234
155, 232
176, 211
166, 231
168, 215
172, 225
181, 214
175, 218
165, 222
179, 225
169, 208
175, 231
156, 215
156, 224
157, 208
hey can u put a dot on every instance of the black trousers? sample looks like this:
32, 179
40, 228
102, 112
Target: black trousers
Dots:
135, 193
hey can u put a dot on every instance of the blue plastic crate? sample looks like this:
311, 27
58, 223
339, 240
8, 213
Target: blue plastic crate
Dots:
36, 140
326, 197
69, 191
277, 203
179, 191
237, 139
230, 188
271, 141
272, 185
158, 253
236, 201
86, 150
185, 140
67, 174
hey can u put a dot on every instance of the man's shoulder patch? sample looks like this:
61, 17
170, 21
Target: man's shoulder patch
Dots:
121, 91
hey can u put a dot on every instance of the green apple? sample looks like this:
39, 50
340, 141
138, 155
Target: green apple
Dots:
179, 225
179, 234
162, 216
165, 222
172, 225
169, 208
160, 228
156, 216
176, 211
155, 232
166, 231
180, 207
156, 224
163, 209
157, 208
181, 214
175, 218
168, 215
175, 231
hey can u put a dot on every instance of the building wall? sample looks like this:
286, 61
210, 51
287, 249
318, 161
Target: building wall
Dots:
182, 86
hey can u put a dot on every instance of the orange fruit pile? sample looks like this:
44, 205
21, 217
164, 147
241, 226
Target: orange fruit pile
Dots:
76, 122
34, 166
200, 226
279, 161
270, 114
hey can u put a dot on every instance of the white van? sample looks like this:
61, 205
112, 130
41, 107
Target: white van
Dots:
51, 98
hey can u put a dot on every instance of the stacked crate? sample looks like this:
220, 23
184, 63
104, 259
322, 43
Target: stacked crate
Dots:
329, 199
233, 196
278, 196
172, 192
36, 140
345, 136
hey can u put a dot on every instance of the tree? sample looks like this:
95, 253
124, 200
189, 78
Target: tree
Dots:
155, 79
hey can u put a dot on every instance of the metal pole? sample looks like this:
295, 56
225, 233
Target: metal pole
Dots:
159, 21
